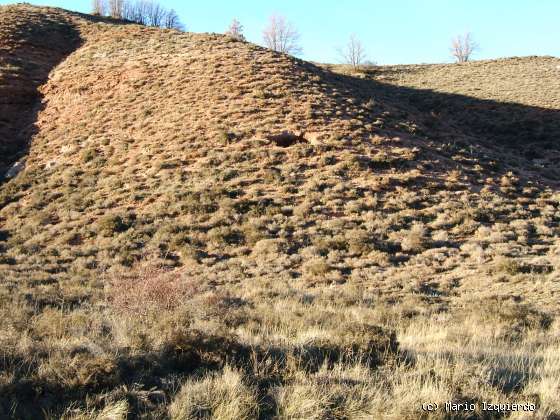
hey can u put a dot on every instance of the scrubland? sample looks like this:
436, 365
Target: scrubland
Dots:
207, 229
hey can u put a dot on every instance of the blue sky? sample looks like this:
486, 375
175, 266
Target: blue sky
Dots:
393, 31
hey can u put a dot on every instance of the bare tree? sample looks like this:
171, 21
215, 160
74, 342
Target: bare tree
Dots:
98, 7
235, 30
132, 11
353, 53
463, 47
116, 8
143, 12
171, 20
281, 36
156, 14
151, 13
137, 11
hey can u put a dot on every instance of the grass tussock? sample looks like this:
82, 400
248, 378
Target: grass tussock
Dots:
219, 396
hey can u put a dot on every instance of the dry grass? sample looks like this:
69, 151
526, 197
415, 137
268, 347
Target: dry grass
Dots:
222, 396
509, 105
208, 228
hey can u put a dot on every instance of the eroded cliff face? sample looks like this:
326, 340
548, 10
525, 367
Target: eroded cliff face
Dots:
32, 42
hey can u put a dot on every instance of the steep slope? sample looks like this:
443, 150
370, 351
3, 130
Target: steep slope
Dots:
193, 205
31, 45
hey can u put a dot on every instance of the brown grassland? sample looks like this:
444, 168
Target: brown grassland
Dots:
207, 229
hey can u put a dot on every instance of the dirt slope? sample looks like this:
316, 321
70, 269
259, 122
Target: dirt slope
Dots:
297, 260
30, 46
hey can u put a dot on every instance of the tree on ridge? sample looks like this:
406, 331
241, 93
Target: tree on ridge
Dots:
353, 53
280, 35
463, 47
143, 12
235, 30
98, 7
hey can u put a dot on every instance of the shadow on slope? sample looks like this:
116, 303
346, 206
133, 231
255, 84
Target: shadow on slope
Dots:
497, 123
525, 137
530, 134
32, 43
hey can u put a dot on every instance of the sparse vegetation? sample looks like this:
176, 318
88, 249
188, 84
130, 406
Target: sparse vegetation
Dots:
254, 236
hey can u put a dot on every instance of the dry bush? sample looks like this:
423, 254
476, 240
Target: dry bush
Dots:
506, 265
316, 267
554, 256
148, 288
82, 370
112, 224
511, 321
222, 396
369, 344
413, 240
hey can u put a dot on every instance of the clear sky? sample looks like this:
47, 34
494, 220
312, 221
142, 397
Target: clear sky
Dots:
393, 31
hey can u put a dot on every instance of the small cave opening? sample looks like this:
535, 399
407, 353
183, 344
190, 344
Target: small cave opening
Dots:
287, 138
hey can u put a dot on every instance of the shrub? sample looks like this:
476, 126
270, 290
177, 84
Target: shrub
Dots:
512, 320
368, 342
506, 265
272, 248
82, 370
414, 240
221, 396
111, 224
554, 256
359, 242
225, 235
88, 155
316, 267
148, 288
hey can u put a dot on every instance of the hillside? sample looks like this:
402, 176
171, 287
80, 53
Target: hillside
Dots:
529, 81
207, 228
508, 104
30, 48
